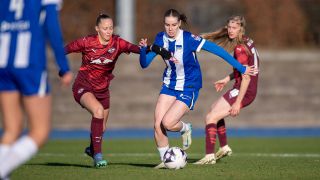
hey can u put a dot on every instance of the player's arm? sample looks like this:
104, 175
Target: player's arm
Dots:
53, 30
146, 58
219, 51
128, 47
75, 46
242, 57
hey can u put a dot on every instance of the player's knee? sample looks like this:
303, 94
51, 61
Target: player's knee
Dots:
211, 118
168, 125
98, 112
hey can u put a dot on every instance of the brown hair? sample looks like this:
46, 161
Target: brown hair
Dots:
221, 35
175, 13
100, 17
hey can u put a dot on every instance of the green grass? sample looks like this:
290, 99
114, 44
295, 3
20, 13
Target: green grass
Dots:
261, 158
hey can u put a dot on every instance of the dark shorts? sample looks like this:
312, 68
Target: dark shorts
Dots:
231, 95
80, 89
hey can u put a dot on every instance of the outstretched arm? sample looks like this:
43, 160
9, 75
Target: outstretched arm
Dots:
219, 51
146, 58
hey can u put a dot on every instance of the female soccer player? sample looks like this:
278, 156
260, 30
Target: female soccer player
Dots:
244, 90
181, 79
100, 53
24, 78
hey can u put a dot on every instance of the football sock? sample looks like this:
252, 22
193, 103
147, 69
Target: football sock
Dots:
96, 134
4, 148
211, 132
222, 133
162, 150
20, 152
184, 128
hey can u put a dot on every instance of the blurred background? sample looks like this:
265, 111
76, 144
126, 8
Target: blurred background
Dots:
286, 34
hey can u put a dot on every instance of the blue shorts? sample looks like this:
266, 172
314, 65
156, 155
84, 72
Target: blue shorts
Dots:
27, 82
187, 97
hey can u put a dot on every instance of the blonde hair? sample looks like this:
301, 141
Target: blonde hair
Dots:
221, 35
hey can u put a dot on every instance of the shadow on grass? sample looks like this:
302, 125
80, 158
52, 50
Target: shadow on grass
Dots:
61, 164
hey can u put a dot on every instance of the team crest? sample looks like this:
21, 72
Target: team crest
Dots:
111, 50
197, 38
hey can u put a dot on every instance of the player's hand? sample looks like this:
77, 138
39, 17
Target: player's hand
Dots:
173, 59
219, 85
235, 109
143, 42
251, 70
66, 79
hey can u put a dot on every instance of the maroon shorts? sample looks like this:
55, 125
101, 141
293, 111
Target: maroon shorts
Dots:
80, 89
231, 96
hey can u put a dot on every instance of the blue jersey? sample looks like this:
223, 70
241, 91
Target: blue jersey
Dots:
24, 26
185, 75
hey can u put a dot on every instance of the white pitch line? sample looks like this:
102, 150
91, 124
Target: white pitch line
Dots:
282, 155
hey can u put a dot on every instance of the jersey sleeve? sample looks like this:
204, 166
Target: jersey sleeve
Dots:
127, 47
75, 46
196, 42
53, 31
241, 55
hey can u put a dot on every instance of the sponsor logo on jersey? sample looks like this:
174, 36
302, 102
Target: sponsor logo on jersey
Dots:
197, 38
101, 60
111, 50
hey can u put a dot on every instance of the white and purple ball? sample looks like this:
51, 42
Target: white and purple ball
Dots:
175, 158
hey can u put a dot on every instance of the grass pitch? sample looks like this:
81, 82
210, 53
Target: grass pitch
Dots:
253, 158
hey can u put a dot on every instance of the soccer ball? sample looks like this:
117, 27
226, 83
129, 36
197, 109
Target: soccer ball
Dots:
175, 158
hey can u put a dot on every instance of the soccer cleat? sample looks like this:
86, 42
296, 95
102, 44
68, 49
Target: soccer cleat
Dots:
100, 164
160, 166
208, 159
223, 152
88, 151
186, 137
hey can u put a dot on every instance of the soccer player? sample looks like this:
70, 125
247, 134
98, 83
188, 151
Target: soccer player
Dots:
100, 53
232, 37
181, 78
25, 25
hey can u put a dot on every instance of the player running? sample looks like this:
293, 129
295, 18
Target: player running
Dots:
25, 25
100, 53
242, 93
182, 78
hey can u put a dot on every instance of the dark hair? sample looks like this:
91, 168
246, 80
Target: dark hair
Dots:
175, 13
100, 17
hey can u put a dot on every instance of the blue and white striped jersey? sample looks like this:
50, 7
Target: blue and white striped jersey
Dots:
185, 75
24, 26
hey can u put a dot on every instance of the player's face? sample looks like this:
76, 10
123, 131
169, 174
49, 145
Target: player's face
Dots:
233, 29
172, 26
105, 30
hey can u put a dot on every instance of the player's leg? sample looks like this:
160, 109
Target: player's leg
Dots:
163, 104
172, 122
89, 101
224, 149
219, 109
38, 110
11, 120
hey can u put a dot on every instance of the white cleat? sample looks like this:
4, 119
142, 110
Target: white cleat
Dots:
208, 159
186, 137
223, 152
160, 166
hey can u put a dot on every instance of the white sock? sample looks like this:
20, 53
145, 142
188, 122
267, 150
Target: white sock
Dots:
162, 150
4, 148
184, 128
20, 152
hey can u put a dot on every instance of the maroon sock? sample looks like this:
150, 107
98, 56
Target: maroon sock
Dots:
222, 132
211, 132
96, 134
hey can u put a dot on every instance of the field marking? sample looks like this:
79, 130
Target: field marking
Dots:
282, 155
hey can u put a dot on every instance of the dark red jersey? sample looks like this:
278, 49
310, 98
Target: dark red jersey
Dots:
98, 61
246, 58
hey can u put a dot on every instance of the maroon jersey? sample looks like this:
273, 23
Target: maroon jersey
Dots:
98, 61
244, 58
